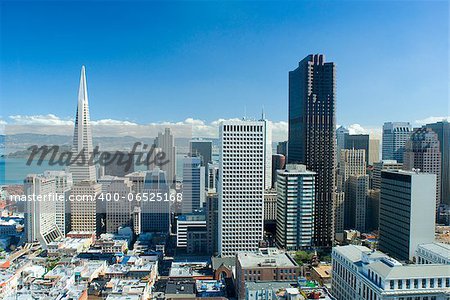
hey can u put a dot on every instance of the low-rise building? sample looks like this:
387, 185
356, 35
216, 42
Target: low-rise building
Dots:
360, 273
268, 265
433, 253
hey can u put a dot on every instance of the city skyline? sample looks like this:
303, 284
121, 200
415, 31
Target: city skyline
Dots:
252, 84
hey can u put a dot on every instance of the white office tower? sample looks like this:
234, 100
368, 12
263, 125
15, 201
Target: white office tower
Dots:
82, 137
241, 186
360, 273
295, 207
193, 184
395, 135
407, 212
40, 210
83, 206
63, 183
166, 142
119, 204
267, 153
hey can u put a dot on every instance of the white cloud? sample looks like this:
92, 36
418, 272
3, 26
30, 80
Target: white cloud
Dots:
432, 120
373, 131
190, 127
49, 120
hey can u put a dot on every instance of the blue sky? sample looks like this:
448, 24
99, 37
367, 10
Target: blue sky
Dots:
168, 61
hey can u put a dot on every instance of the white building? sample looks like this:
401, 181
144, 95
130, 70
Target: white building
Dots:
83, 206
407, 212
40, 209
82, 137
433, 253
193, 184
63, 183
118, 205
395, 135
241, 185
295, 207
360, 273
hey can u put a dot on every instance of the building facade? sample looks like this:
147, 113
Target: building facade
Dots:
395, 135
193, 184
407, 212
312, 134
241, 186
295, 207
422, 152
442, 129
362, 274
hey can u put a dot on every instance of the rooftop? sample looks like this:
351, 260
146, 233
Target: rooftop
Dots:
440, 249
271, 259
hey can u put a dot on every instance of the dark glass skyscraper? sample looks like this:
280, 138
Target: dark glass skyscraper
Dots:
442, 129
312, 131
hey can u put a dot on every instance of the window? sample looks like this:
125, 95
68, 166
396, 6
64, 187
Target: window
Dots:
408, 283
391, 284
400, 284
439, 282
424, 283
416, 283
432, 283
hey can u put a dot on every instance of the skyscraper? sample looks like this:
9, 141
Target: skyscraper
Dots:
166, 142
356, 202
63, 187
374, 151
241, 185
341, 132
380, 166
352, 163
407, 213
83, 208
40, 212
312, 132
203, 149
193, 184
422, 152
359, 142
395, 135
82, 137
295, 207
443, 131
119, 208
278, 163
155, 215
267, 152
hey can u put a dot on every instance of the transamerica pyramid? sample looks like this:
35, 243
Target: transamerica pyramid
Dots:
82, 137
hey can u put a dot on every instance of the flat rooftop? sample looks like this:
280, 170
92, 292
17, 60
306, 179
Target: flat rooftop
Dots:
259, 260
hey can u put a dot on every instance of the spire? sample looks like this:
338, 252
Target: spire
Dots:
263, 115
82, 91
82, 136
